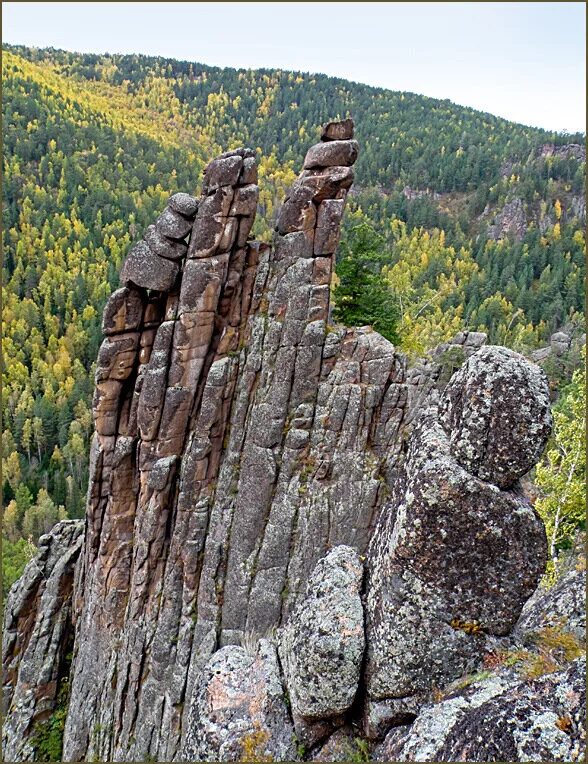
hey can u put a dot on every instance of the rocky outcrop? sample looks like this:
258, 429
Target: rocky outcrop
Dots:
495, 412
510, 221
567, 151
412, 193
577, 208
435, 590
560, 344
237, 440
562, 606
342, 745
239, 711
37, 638
247, 457
430, 375
534, 711
500, 719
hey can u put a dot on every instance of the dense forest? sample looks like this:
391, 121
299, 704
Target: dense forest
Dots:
458, 219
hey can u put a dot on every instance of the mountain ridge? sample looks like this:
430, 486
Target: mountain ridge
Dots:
152, 59
136, 69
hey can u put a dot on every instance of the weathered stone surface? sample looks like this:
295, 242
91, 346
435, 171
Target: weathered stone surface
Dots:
123, 311
562, 606
331, 154
294, 245
116, 356
327, 183
538, 356
243, 151
328, 226
144, 268
298, 213
206, 236
560, 342
106, 406
164, 247
497, 415
37, 637
430, 375
218, 203
249, 171
500, 719
340, 746
239, 712
222, 172
454, 558
173, 225
326, 630
380, 715
154, 382
245, 200
511, 221
338, 131
184, 204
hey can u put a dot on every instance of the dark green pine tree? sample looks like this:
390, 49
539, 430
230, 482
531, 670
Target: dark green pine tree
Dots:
362, 296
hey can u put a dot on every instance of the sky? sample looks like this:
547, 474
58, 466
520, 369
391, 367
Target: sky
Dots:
523, 61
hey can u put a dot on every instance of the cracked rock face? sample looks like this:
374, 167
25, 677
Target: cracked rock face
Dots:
326, 630
37, 637
563, 606
246, 456
237, 441
454, 558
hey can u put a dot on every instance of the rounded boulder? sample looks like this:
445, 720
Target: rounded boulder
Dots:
496, 412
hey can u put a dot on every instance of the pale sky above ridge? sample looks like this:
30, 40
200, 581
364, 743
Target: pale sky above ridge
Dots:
522, 61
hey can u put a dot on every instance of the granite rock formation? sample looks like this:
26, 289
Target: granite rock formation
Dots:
510, 221
562, 606
253, 469
435, 591
37, 637
502, 718
238, 712
326, 630
532, 712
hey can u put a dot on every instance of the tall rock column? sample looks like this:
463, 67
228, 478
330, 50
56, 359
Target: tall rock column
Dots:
273, 439
162, 330
37, 639
238, 438
315, 423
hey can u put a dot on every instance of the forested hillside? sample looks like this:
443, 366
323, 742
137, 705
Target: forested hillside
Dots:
459, 220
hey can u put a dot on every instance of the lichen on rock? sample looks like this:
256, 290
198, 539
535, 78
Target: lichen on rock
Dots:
455, 558
326, 630
239, 712
500, 719
37, 637
496, 413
